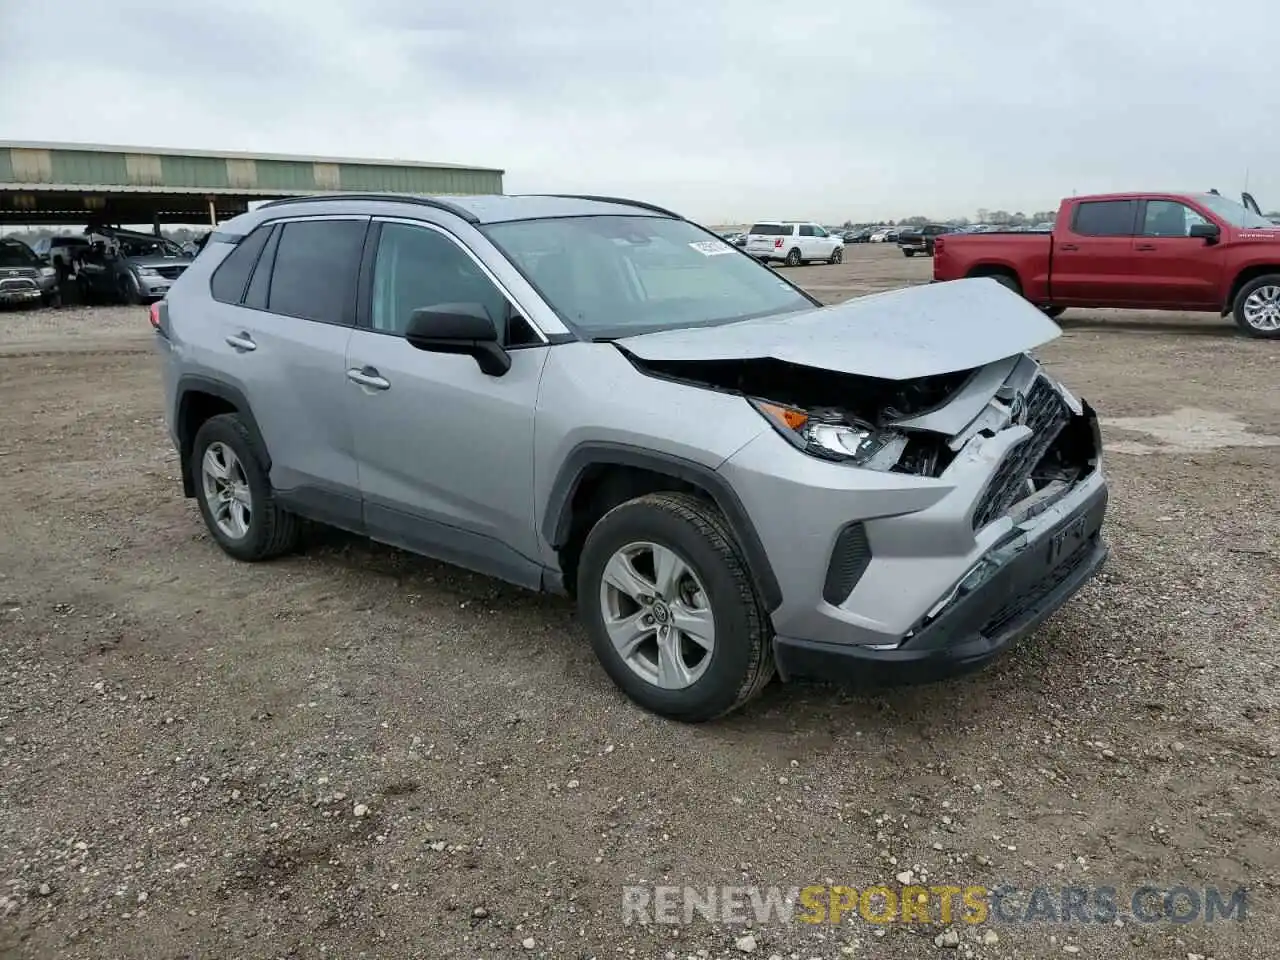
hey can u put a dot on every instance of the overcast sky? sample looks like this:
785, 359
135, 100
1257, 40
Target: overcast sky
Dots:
727, 110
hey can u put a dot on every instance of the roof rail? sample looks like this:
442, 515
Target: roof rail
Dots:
445, 205
618, 200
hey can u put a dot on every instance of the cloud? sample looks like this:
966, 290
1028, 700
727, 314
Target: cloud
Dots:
725, 109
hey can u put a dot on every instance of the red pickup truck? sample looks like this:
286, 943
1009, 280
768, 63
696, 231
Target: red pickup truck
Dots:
1149, 251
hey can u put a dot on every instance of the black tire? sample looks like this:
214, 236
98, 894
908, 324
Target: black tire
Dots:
908, 253
793, 257
1007, 280
53, 298
1238, 306
837, 255
1053, 312
272, 530
130, 292
742, 658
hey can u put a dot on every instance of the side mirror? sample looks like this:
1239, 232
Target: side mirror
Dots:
1205, 231
459, 328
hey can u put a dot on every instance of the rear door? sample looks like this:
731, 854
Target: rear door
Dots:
1171, 268
1093, 255
283, 335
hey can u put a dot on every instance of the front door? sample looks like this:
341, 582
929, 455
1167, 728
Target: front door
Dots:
1171, 268
445, 450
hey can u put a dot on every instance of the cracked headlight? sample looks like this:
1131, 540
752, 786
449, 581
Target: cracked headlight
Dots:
831, 435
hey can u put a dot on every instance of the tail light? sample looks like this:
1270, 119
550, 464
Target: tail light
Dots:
777, 244
937, 245
159, 316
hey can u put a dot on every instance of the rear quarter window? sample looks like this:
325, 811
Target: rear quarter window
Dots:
232, 275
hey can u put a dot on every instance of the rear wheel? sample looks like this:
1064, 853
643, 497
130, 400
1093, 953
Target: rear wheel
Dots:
1007, 280
671, 608
793, 257
234, 492
1257, 307
1053, 312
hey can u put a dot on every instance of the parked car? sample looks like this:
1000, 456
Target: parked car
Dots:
881, 235
25, 277
793, 243
891, 488
128, 267
61, 251
913, 240
1149, 251
859, 236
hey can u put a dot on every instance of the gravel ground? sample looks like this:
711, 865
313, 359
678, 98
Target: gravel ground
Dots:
358, 753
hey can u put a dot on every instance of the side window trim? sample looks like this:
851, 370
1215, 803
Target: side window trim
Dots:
364, 311
266, 262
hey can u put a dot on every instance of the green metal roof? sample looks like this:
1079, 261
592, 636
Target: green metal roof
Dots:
66, 182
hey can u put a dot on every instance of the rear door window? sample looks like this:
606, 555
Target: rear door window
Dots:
315, 269
771, 230
1106, 218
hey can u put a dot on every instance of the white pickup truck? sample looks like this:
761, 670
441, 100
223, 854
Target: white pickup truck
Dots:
793, 243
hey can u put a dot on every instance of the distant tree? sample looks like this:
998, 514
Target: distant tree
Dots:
1044, 216
916, 221
1001, 217
1273, 215
984, 215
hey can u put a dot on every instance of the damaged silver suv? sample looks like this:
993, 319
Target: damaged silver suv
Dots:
598, 397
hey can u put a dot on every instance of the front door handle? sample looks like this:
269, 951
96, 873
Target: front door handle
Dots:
368, 377
1145, 246
1067, 246
242, 342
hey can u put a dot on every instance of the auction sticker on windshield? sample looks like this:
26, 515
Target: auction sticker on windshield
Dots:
711, 248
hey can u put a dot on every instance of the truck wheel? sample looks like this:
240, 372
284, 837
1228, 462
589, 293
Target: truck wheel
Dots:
1007, 280
1257, 307
1053, 312
908, 253
235, 496
671, 609
793, 257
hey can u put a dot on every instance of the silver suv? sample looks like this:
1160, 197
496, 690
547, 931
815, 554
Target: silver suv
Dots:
597, 397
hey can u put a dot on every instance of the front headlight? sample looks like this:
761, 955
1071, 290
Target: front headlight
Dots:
48, 272
147, 272
832, 435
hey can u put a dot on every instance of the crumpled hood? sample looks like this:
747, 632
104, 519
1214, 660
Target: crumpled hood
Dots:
900, 335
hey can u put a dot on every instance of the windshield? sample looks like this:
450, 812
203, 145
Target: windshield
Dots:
614, 276
15, 253
133, 247
1235, 213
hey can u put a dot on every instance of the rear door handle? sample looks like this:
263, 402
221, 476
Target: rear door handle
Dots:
242, 342
1145, 246
1068, 246
368, 377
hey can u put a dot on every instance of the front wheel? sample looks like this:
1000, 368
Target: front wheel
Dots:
908, 253
671, 609
793, 257
837, 255
1257, 307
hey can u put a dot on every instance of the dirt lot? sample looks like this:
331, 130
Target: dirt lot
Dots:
184, 740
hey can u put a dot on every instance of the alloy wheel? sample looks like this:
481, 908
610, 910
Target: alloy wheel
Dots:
226, 490
658, 615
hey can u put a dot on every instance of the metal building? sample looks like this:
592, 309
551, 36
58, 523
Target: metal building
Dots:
94, 183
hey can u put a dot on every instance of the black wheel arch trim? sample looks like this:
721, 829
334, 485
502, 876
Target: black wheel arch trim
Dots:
557, 518
191, 383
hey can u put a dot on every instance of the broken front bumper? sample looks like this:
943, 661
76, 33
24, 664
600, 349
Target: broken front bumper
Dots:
1025, 581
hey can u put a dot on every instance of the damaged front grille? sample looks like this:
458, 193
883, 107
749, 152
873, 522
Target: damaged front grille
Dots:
1045, 413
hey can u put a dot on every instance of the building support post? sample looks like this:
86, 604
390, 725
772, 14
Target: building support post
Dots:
213, 213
